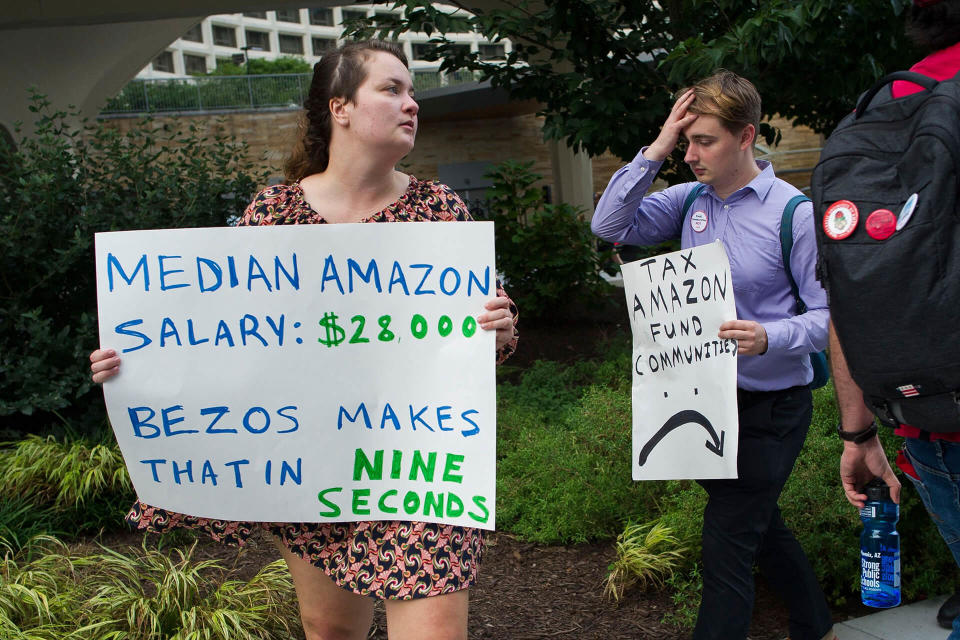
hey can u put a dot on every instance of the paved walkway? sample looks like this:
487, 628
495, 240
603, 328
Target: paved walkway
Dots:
917, 621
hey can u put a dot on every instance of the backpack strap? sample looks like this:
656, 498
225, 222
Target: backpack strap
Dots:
691, 198
926, 82
786, 245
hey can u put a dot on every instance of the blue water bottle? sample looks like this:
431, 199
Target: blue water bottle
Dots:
879, 548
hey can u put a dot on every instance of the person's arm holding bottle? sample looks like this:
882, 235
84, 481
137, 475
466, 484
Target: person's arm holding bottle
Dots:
860, 461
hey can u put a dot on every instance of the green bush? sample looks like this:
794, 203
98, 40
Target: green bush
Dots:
563, 437
564, 477
210, 92
260, 66
63, 184
545, 251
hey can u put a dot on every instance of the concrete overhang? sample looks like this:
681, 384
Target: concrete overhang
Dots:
54, 13
27, 14
474, 100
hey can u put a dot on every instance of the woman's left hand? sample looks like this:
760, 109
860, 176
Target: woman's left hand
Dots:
499, 317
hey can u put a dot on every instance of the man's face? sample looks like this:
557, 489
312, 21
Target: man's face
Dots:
712, 152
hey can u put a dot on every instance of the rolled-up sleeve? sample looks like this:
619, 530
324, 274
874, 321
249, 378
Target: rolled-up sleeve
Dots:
624, 215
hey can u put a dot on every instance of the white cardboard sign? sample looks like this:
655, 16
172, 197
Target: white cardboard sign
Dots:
306, 373
684, 377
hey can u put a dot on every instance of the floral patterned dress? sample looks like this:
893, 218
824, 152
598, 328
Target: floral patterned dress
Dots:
382, 559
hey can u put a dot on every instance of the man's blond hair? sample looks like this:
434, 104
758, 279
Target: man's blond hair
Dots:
731, 98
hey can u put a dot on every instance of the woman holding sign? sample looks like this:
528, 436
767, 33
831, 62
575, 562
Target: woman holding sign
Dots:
361, 119
738, 201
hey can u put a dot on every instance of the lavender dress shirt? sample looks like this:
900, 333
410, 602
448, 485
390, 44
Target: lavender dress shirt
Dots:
748, 225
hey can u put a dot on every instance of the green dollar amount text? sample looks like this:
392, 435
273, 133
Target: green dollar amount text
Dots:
335, 335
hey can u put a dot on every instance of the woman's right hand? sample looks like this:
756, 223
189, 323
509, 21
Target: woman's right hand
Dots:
105, 363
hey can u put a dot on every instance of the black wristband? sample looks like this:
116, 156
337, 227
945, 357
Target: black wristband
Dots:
857, 437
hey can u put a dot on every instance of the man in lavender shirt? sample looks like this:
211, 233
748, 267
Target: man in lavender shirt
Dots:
741, 206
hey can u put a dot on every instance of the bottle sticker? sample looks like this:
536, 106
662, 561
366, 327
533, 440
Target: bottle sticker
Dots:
869, 570
698, 221
869, 511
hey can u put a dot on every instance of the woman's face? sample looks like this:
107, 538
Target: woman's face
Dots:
384, 113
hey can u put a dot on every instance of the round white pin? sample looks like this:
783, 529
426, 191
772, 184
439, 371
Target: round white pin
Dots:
698, 221
906, 211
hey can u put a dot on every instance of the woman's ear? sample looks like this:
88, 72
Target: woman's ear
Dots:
338, 111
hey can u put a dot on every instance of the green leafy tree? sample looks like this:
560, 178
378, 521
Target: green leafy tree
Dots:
605, 70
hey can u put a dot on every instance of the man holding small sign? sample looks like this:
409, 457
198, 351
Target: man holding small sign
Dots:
739, 202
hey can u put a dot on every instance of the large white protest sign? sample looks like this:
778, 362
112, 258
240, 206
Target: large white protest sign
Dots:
684, 377
304, 374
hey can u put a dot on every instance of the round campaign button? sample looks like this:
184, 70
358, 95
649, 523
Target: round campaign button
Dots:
698, 221
881, 224
840, 219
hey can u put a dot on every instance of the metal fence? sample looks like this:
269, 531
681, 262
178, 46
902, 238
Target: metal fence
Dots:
224, 93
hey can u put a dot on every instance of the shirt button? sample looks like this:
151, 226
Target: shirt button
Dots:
726, 206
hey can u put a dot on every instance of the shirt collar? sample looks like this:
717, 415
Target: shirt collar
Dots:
764, 181
760, 185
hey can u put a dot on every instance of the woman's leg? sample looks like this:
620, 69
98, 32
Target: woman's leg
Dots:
328, 612
437, 617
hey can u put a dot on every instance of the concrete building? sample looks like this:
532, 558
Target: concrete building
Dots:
83, 53
301, 33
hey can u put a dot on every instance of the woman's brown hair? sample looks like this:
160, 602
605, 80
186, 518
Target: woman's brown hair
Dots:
338, 75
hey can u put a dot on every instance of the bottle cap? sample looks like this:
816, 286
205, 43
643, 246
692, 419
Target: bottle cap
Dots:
877, 489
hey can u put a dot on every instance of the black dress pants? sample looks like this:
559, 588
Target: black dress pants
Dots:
742, 525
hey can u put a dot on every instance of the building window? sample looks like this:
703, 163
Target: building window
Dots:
194, 35
291, 44
422, 50
288, 15
321, 16
194, 65
462, 48
353, 14
492, 51
164, 62
322, 45
383, 18
256, 14
258, 39
224, 36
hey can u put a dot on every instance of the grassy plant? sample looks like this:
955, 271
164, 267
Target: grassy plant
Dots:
65, 472
48, 592
32, 578
647, 554
155, 594
21, 520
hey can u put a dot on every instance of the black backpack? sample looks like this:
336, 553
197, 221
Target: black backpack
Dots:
893, 277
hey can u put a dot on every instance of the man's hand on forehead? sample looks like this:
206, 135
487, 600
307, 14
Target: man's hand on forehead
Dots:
673, 128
